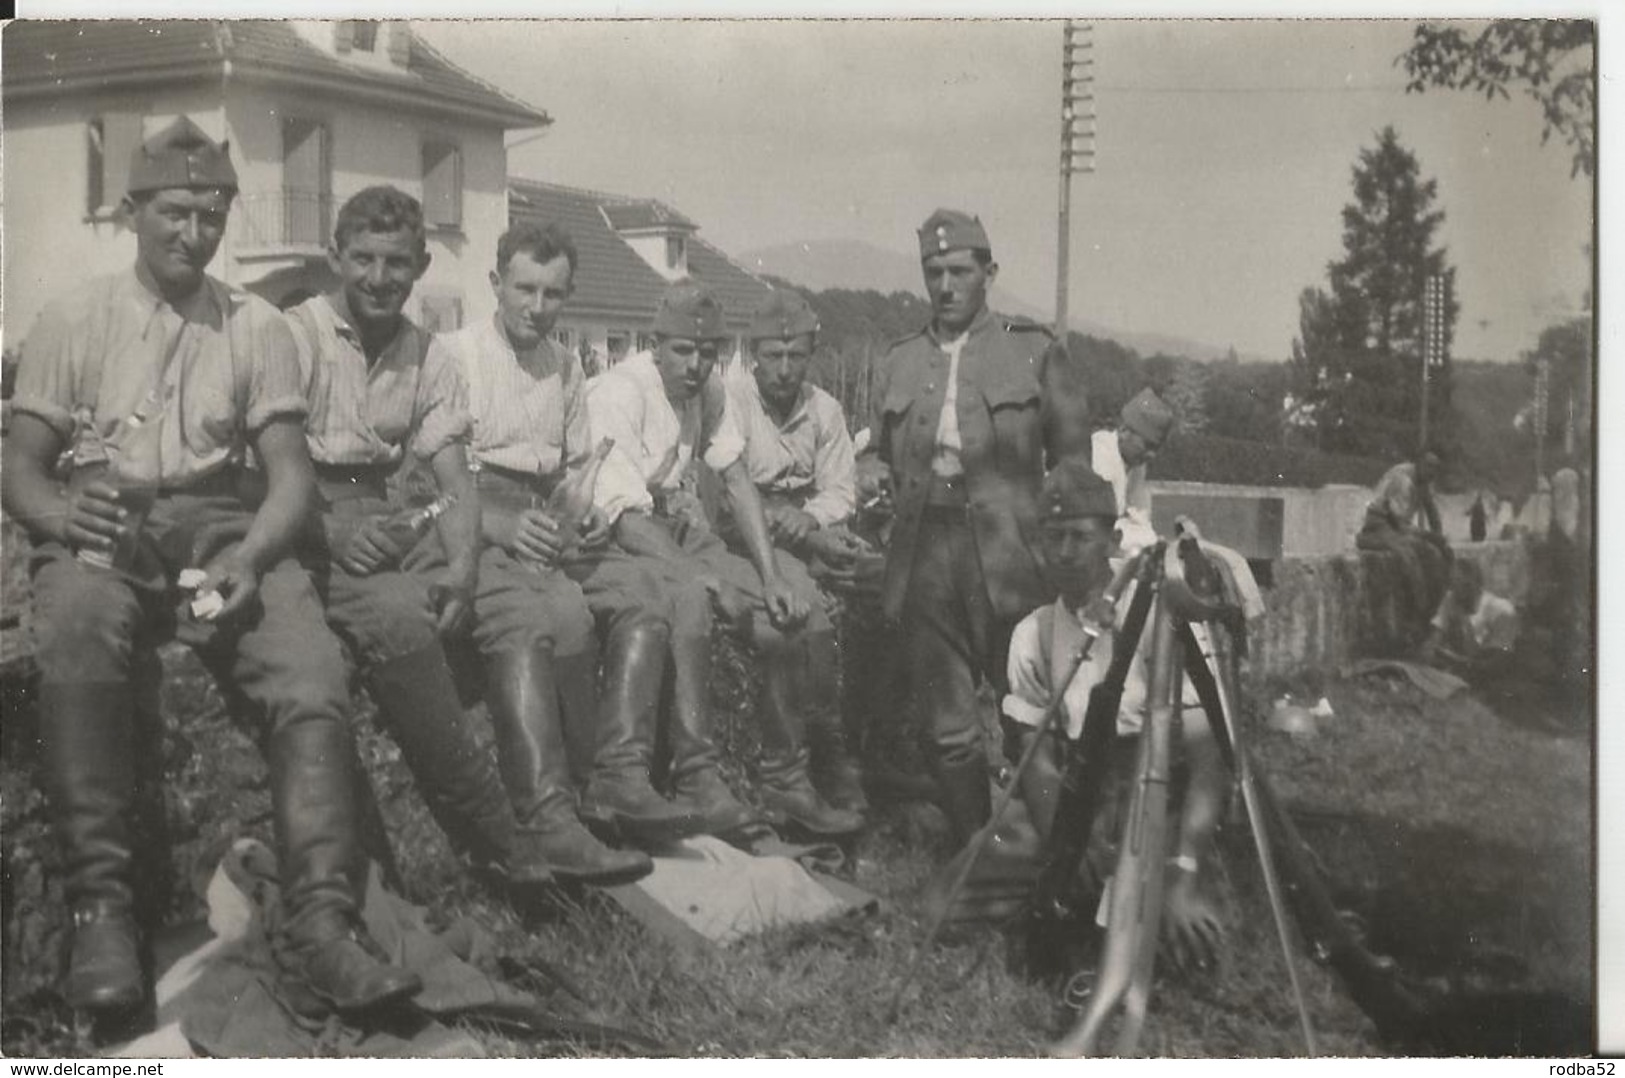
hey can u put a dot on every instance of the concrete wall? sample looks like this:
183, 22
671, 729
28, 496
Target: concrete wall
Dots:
1327, 611
1314, 522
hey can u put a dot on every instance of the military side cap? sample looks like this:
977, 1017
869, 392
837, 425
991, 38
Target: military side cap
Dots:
1149, 416
689, 309
784, 314
1073, 489
181, 155
947, 230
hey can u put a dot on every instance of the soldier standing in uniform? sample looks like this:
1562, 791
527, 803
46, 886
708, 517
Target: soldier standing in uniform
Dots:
666, 410
799, 455
967, 412
528, 399
178, 376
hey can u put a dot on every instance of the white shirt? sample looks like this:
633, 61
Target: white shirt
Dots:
654, 442
529, 415
946, 461
1038, 660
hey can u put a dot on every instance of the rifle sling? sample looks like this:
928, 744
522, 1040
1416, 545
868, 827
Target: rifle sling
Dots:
1086, 764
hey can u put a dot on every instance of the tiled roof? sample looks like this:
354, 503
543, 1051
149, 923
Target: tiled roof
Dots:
612, 282
645, 213
41, 55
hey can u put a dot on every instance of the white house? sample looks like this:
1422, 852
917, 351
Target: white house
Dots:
629, 249
314, 112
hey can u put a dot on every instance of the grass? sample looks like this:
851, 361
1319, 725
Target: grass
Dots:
1449, 828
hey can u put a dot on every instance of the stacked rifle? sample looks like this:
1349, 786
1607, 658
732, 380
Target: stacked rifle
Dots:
1192, 636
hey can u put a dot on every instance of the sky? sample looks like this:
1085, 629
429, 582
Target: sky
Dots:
1225, 150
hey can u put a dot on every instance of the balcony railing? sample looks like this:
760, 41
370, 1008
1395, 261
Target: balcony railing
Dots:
285, 218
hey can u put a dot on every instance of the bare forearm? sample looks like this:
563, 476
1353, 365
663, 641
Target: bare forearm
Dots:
31, 497
290, 485
750, 519
1041, 784
458, 526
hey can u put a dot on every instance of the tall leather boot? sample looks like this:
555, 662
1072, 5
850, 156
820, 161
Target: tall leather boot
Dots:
694, 774
418, 703
89, 763
328, 960
787, 792
618, 792
834, 770
963, 781
525, 710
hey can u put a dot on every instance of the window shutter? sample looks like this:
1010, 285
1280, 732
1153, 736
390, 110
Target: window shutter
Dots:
400, 44
442, 185
113, 137
306, 182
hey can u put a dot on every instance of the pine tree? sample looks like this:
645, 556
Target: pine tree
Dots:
1358, 356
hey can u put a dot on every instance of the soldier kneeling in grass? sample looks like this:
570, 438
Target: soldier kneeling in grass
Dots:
1078, 515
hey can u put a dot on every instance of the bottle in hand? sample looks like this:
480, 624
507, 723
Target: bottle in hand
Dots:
572, 499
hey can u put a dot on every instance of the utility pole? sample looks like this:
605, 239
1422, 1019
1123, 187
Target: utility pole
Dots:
1433, 323
1077, 145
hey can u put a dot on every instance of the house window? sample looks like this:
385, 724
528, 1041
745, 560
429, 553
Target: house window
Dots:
442, 314
674, 252
363, 35
110, 140
442, 185
646, 342
563, 337
307, 183
616, 345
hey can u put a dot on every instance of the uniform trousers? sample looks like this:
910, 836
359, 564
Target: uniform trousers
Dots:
953, 639
98, 625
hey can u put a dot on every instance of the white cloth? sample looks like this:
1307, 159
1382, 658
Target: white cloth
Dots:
809, 454
654, 443
1039, 659
945, 462
1129, 486
529, 415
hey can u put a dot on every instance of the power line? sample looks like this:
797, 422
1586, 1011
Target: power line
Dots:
1385, 88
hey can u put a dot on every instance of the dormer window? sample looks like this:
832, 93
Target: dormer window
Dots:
363, 35
675, 252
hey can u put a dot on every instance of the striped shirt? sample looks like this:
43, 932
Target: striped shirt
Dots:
810, 454
653, 442
412, 396
223, 362
530, 414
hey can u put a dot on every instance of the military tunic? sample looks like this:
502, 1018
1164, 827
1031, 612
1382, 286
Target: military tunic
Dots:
963, 563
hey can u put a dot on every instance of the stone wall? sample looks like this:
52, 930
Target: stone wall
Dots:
1329, 610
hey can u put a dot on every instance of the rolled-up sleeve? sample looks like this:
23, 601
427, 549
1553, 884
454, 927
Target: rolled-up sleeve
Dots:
48, 373
615, 410
1028, 698
442, 404
834, 468
276, 387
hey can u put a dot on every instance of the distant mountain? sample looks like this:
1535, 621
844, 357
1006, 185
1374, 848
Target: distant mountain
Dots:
821, 264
